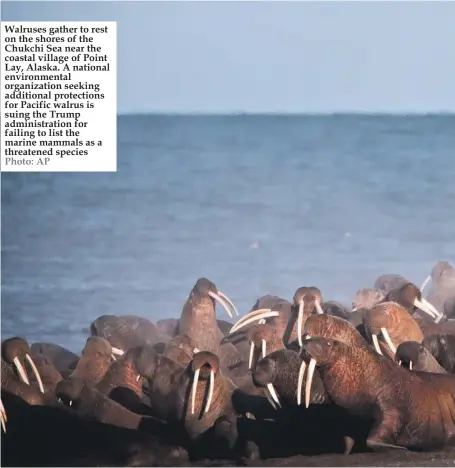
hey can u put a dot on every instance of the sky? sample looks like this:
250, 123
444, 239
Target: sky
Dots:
291, 57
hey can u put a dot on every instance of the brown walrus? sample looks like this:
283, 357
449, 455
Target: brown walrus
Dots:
198, 318
366, 298
264, 340
12, 384
389, 281
393, 322
203, 397
91, 404
288, 321
411, 410
94, 362
409, 296
180, 349
16, 352
415, 356
442, 347
61, 358
49, 375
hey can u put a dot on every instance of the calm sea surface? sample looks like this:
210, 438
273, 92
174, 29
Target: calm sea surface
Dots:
258, 204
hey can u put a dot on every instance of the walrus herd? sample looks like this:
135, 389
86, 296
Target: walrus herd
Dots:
297, 376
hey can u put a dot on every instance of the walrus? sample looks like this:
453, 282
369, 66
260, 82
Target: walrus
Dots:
389, 281
408, 295
442, 347
393, 323
61, 358
58, 436
288, 321
95, 360
180, 349
367, 298
416, 357
263, 339
13, 384
16, 352
198, 318
412, 410
125, 331
203, 398
442, 284
122, 381
337, 309
49, 375
93, 405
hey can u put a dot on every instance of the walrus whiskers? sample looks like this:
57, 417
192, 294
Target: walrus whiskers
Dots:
35, 371
21, 370
309, 381
222, 302
300, 382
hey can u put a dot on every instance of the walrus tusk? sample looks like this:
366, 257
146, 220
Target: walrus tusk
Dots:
211, 387
410, 365
250, 361
309, 381
427, 308
117, 351
253, 313
388, 340
270, 400
237, 326
300, 322
113, 357
376, 344
300, 382
318, 307
71, 402
222, 303
3, 416
273, 394
35, 371
229, 302
399, 362
193, 391
264, 348
138, 377
261, 322
21, 370
427, 280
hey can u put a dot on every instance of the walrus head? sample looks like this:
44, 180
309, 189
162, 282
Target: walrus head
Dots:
367, 298
180, 349
306, 300
258, 336
204, 366
408, 353
69, 392
265, 375
205, 287
144, 360
409, 296
442, 347
16, 351
318, 351
97, 347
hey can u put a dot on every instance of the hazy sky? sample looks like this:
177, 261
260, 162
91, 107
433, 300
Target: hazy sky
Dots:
270, 57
